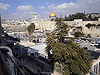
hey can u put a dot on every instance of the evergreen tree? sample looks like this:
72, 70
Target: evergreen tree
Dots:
90, 18
31, 29
77, 34
56, 19
89, 35
65, 17
75, 60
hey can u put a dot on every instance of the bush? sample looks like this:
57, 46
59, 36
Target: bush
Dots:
77, 34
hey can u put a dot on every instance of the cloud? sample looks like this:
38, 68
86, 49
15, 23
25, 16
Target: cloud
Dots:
47, 12
62, 6
25, 8
19, 16
31, 12
89, 6
41, 7
79, 5
4, 6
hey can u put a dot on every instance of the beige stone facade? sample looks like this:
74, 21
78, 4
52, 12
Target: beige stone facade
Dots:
42, 24
93, 31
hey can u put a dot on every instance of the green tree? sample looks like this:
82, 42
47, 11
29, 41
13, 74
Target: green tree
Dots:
31, 29
77, 34
75, 60
58, 34
61, 30
78, 16
89, 35
56, 19
52, 19
89, 25
65, 17
90, 17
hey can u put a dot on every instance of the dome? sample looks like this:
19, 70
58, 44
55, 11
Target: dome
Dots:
52, 14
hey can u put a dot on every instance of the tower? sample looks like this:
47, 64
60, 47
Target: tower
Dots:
35, 15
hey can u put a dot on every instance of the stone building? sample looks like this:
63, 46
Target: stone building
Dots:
13, 26
95, 56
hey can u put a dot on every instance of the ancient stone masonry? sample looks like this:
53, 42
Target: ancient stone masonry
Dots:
94, 31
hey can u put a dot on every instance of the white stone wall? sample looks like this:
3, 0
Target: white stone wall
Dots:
93, 31
95, 65
44, 24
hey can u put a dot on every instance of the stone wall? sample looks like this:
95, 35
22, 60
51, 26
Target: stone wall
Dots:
93, 31
43, 24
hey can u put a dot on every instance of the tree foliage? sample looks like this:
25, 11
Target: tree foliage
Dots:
75, 60
89, 35
52, 19
77, 16
80, 27
82, 16
31, 28
91, 25
78, 34
61, 30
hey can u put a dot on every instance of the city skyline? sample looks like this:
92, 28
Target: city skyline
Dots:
24, 9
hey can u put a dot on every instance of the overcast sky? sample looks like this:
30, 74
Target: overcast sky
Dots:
25, 9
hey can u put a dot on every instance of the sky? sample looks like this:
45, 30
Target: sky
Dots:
25, 9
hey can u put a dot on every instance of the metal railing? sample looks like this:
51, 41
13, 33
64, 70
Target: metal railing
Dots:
4, 69
9, 65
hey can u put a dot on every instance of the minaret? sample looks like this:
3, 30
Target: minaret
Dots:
35, 15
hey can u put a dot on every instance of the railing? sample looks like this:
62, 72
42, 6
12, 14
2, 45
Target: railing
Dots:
11, 65
4, 69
